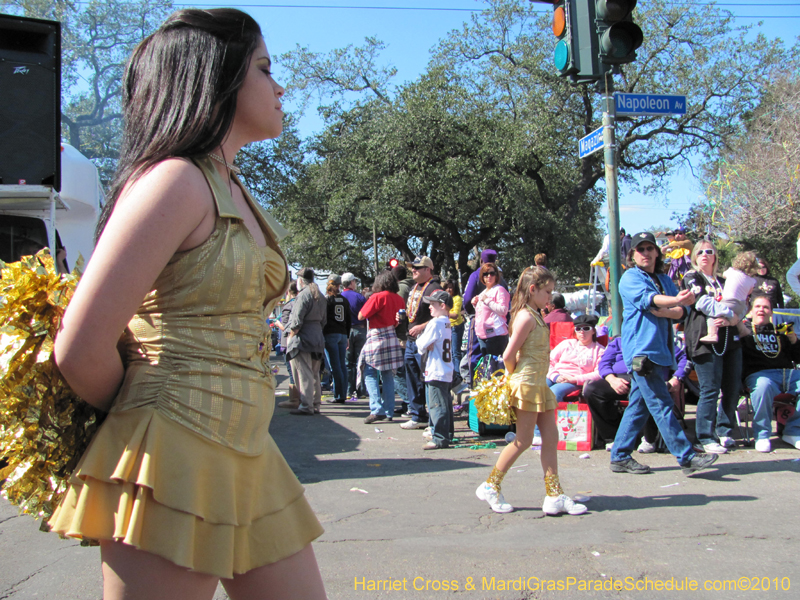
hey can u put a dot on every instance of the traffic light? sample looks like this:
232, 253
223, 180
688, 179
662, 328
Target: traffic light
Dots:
593, 36
562, 29
618, 36
393, 262
576, 55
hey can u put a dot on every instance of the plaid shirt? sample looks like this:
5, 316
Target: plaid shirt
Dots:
381, 351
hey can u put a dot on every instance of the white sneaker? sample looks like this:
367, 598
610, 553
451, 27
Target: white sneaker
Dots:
609, 446
537, 441
413, 425
494, 498
646, 447
714, 448
428, 433
763, 446
727, 442
554, 505
792, 440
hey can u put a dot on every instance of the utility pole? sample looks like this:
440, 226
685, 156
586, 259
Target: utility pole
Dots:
612, 198
375, 246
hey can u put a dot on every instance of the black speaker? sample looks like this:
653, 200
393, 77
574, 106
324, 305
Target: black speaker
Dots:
30, 101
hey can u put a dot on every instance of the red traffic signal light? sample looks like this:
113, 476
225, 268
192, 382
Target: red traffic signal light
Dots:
393, 262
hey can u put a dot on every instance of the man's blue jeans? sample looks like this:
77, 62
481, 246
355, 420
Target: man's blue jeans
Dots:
358, 337
336, 349
649, 396
415, 387
457, 337
715, 374
400, 383
380, 402
764, 386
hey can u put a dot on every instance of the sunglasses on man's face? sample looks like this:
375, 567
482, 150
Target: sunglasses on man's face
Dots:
583, 328
641, 249
709, 251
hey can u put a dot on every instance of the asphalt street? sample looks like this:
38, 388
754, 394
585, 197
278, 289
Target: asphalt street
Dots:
401, 522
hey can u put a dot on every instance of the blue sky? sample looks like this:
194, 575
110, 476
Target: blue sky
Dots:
322, 25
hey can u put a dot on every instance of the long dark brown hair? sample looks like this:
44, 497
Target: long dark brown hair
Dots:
179, 91
659, 264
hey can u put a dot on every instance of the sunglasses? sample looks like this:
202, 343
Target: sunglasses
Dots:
642, 249
492, 273
583, 328
709, 251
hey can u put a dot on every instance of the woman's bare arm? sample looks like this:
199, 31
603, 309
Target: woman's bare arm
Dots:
168, 209
523, 324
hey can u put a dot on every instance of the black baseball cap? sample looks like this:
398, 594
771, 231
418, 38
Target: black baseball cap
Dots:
643, 236
439, 296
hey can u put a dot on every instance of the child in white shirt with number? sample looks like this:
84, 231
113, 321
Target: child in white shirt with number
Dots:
436, 343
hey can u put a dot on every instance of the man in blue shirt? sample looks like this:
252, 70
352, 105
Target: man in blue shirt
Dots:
650, 302
358, 331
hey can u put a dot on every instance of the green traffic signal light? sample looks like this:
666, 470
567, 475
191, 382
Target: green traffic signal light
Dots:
562, 29
618, 35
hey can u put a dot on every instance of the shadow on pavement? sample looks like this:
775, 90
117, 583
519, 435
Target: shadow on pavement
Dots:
617, 503
303, 440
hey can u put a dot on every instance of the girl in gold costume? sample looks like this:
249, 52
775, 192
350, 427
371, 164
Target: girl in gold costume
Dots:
182, 484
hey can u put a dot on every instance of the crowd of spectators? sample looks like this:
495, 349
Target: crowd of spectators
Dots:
692, 335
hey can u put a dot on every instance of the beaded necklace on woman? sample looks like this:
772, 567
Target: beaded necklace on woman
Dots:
714, 283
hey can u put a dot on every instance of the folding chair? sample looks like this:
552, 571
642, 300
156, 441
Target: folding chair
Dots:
783, 405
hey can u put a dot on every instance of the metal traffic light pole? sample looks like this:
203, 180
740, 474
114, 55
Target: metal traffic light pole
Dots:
612, 198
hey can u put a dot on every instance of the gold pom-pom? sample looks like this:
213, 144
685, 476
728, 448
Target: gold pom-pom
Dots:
493, 400
44, 426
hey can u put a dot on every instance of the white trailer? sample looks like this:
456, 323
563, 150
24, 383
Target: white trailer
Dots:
35, 215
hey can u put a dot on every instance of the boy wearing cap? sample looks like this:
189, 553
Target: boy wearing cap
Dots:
436, 343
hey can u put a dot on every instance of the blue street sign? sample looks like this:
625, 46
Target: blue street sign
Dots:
649, 104
591, 143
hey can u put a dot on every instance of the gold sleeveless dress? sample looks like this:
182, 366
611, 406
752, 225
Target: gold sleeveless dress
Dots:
529, 389
184, 466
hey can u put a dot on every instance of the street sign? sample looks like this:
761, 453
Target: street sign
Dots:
649, 104
591, 143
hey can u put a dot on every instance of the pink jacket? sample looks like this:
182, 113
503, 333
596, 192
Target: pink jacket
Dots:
491, 311
572, 359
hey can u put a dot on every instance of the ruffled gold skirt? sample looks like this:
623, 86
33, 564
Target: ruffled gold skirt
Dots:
152, 483
531, 397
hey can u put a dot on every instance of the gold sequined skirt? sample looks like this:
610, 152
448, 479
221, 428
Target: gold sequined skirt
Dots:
152, 483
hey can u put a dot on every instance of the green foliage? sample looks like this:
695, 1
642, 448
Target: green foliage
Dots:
481, 150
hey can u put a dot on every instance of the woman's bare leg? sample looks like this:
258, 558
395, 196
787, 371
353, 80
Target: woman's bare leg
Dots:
526, 421
549, 432
293, 578
133, 574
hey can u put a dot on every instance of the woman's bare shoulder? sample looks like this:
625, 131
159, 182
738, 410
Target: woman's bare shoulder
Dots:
524, 319
178, 182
